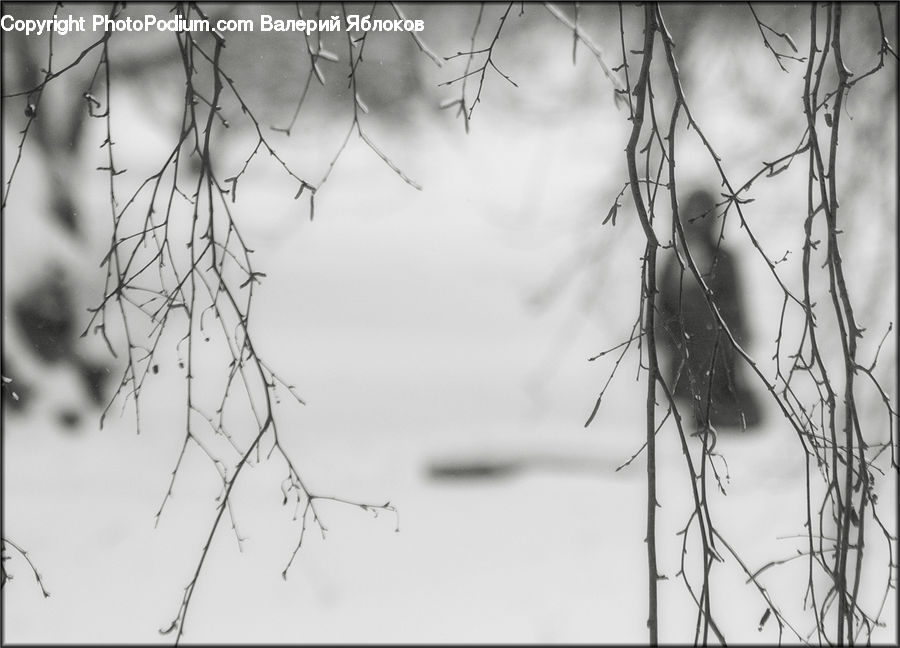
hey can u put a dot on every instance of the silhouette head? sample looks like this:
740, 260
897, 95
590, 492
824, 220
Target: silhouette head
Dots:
698, 218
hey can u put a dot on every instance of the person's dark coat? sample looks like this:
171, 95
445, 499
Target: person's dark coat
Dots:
703, 362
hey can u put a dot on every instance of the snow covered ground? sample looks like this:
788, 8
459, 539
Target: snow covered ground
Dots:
408, 322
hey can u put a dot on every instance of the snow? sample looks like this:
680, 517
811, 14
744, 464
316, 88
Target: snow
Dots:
407, 322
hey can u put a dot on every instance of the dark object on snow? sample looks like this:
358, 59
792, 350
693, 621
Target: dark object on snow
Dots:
702, 358
482, 467
46, 319
473, 469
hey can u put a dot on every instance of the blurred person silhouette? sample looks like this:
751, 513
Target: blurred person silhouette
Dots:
702, 359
